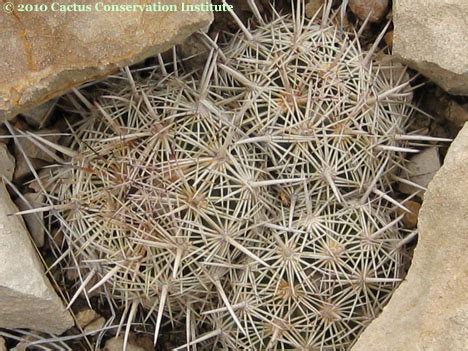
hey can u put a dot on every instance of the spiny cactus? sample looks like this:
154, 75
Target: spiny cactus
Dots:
313, 97
329, 274
158, 192
250, 201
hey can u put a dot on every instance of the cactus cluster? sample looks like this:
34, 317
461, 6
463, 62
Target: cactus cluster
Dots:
251, 201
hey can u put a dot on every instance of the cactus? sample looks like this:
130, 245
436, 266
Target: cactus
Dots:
252, 200
160, 193
330, 273
312, 97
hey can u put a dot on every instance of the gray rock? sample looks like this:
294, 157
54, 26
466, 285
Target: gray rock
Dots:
34, 221
27, 299
44, 54
194, 50
429, 311
36, 155
432, 37
32, 150
38, 116
7, 162
421, 169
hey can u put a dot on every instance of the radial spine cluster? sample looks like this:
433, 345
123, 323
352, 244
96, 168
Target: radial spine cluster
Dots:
251, 202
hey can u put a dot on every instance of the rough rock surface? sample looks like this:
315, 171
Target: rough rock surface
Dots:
27, 299
38, 116
7, 162
34, 221
422, 168
429, 311
46, 53
432, 37
36, 156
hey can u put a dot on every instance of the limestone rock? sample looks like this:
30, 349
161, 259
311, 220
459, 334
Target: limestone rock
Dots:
429, 311
46, 53
432, 37
194, 50
375, 9
36, 156
7, 162
34, 221
27, 299
422, 168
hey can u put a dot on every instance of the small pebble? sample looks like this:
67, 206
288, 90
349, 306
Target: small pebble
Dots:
117, 344
312, 7
410, 219
145, 341
85, 317
388, 38
421, 169
96, 325
377, 8
23, 345
457, 114
57, 237
72, 274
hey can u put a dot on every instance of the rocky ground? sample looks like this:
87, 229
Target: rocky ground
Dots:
428, 38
